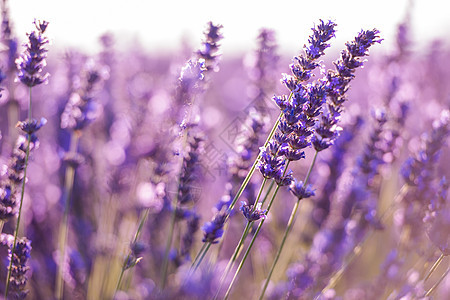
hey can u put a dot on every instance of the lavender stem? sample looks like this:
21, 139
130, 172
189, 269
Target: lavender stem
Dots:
22, 193
254, 237
288, 227
64, 229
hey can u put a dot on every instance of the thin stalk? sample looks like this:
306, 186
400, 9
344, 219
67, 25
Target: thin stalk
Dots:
2, 223
64, 229
199, 254
433, 268
165, 264
227, 294
288, 228
22, 193
269, 190
202, 256
136, 236
240, 245
169, 242
252, 169
431, 290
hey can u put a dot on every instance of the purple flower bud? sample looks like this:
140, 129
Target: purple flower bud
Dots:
301, 191
252, 214
32, 61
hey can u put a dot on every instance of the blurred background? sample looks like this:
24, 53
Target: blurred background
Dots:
163, 25
130, 158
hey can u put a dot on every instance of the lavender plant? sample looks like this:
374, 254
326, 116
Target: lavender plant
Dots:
30, 66
132, 160
78, 113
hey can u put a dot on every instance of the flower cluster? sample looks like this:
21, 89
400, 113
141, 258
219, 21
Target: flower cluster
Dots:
252, 212
9, 188
19, 267
214, 230
210, 47
336, 85
31, 63
300, 109
81, 110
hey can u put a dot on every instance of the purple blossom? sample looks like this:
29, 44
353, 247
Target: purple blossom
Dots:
18, 279
81, 109
32, 61
252, 213
209, 50
337, 84
214, 230
300, 191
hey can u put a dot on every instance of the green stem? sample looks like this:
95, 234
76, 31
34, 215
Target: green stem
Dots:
64, 228
199, 254
433, 268
253, 168
268, 192
142, 221
22, 193
2, 223
227, 294
240, 244
202, 256
169, 243
288, 228
431, 290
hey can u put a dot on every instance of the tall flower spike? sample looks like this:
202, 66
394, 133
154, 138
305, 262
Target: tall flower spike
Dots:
300, 109
337, 83
81, 110
32, 61
210, 47
18, 278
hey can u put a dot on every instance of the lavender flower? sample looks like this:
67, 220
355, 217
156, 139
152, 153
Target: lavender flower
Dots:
8, 40
136, 249
247, 143
81, 109
15, 172
189, 85
337, 82
300, 109
252, 213
31, 63
214, 230
418, 170
300, 191
335, 164
190, 171
188, 239
2, 77
19, 268
210, 47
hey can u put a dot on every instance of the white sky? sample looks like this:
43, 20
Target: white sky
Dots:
163, 24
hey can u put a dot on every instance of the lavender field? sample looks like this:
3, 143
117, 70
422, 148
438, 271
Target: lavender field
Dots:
317, 174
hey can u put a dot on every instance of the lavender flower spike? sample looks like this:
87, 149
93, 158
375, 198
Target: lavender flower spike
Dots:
31, 63
214, 230
337, 83
20, 257
210, 47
